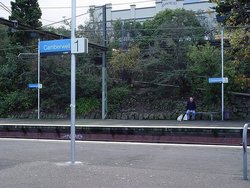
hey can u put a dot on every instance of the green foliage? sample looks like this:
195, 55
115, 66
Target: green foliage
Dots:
116, 97
125, 33
204, 63
125, 63
87, 105
16, 101
62, 30
180, 24
236, 11
88, 85
166, 38
26, 12
240, 50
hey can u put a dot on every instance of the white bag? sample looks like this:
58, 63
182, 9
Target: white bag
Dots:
180, 117
185, 118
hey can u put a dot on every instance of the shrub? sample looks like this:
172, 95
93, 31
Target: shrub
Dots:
87, 105
116, 96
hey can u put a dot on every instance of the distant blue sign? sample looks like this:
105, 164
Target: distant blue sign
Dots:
217, 80
55, 46
35, 86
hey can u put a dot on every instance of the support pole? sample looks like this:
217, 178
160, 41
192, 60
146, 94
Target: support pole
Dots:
38, 80
244, 144
222, 72
104, 65
73, 84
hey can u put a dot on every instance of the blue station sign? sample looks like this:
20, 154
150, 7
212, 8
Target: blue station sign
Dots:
218, 80
55, 46
32, 86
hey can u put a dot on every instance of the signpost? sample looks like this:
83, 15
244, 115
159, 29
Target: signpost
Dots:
32, 86
222, 81
55, 46
218, 80
73, 46
79, 45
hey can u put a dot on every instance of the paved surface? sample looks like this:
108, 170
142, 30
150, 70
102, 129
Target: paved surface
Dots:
42, 164
85, 122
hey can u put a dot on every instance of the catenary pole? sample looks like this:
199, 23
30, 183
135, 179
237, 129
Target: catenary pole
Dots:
104, 65
38, 80
73, 84
222, 72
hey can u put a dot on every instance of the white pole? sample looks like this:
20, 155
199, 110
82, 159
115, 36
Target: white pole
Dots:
73, 80
38, 80
222, 72
104, 65
244, 144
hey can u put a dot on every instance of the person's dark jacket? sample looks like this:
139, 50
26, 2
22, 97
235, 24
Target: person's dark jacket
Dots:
191, 106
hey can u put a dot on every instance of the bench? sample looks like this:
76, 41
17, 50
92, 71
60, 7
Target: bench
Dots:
208, 113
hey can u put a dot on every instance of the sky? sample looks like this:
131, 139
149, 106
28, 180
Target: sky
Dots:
57, 10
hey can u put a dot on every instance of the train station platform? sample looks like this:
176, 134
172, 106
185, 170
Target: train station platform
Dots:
44, 163
158, 131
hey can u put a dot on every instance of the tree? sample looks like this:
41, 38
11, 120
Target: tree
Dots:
26, 12
62, 30
240, 50
125, 63
204, 63
126, 33
203, 59
237, 12
164, 42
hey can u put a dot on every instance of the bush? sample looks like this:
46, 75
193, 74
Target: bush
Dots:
14, 102
116, 96
87, 105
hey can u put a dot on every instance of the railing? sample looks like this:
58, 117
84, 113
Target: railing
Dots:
244, 143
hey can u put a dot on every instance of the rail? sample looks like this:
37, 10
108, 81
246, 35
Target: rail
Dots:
244, 143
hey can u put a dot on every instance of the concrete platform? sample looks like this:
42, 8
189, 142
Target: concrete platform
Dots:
42, 163
202, 132
124, 123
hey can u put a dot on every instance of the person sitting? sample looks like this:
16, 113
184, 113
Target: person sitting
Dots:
190, 108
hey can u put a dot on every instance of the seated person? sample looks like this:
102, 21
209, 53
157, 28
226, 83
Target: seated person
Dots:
190, 108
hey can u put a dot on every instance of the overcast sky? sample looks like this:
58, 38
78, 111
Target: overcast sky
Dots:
55, 10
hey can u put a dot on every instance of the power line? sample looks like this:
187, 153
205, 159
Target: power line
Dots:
11, 13
5, 8
67, 19
115, 4
79, 7
47, 20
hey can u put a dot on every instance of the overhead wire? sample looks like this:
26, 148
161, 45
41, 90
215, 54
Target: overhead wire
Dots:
67, 19
88, 6
12, 14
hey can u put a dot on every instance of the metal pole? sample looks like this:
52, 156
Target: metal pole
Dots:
104, 65
222, 72
73, 84
38, 80
244, 143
